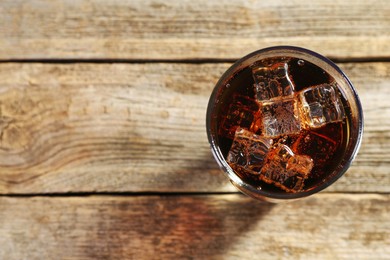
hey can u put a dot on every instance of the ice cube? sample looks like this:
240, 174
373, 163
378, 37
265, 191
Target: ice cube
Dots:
241, 112
316, 145
285, 169
280, 117
321, 105
248, 151
272, 81
300, 163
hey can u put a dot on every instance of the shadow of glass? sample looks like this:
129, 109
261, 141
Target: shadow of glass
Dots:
176, 227
201, 174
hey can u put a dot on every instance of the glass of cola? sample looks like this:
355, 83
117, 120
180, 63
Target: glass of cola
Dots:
284, 123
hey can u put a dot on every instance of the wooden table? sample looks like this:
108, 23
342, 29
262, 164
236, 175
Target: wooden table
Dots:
103, 148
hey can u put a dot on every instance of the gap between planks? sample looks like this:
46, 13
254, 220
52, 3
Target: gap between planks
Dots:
182, 61
164, 194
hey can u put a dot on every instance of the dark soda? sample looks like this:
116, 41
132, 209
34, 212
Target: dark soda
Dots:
264, 103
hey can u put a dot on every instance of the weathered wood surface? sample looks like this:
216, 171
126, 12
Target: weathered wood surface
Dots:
84, 127
139, 128
326, 226
156, 29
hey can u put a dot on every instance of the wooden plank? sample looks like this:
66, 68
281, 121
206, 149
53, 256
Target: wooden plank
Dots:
156, 29
141, 127
327, 226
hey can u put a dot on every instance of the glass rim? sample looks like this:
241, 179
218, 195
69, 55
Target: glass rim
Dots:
233, 177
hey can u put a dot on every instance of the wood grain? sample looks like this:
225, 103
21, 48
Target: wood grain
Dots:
156, 29
83, 127
195, 227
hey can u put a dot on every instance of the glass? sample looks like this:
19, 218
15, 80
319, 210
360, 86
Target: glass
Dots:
284, 123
